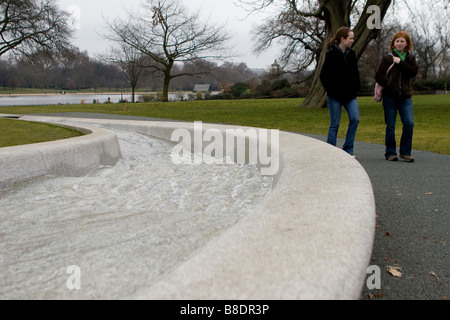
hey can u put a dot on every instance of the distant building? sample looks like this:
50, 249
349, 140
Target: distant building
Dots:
202, 88
275, 68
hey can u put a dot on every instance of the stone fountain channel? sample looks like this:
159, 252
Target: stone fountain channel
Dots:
121, 226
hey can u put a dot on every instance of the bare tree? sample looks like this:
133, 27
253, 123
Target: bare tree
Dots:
300, 39
313, 23
130, 61
166, 32
430, 28
30, 25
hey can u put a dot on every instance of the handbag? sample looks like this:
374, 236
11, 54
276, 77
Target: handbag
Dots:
378, 92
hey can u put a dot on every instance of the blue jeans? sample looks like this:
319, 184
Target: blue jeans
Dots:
405, 109
352, 109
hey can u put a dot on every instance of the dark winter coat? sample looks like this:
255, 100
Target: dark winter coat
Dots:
340, 75
397, 84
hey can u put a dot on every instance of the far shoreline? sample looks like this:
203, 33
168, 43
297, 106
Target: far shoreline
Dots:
63, 93
69, 93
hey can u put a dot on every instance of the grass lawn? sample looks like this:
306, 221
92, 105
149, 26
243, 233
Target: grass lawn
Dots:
15, 132
431, 116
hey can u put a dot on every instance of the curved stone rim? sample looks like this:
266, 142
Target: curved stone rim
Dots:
311, 237
67, 157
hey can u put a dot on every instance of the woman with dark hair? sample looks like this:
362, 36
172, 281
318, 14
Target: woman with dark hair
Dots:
397, 94
340, 78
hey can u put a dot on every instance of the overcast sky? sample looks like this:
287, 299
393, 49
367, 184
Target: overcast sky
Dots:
92, 15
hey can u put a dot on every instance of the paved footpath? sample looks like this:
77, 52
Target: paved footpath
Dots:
413, 224
412, 239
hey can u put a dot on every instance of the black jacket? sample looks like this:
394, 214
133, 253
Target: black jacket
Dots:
340, 75
397, 84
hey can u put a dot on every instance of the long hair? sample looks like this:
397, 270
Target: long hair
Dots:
341, 32
402, 34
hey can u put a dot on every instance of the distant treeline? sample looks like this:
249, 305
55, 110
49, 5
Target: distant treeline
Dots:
233, 80
81, 72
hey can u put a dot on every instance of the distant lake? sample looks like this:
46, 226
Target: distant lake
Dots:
12, 100
7, 100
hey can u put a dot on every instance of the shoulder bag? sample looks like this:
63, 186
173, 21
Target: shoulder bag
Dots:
378, 92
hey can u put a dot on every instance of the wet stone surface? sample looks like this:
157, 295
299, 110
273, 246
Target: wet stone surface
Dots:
122, 226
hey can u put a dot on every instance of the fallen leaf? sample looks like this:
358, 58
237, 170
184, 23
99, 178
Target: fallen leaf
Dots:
374, 296
434, 275
394, 271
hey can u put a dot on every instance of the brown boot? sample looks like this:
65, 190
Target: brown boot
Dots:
392, 158
407, 158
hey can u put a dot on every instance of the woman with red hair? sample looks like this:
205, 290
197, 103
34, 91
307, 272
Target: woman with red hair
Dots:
397, 94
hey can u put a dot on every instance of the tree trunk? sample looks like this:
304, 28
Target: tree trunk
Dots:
363, 35
167, 78
316, 97
337, 14
165, 92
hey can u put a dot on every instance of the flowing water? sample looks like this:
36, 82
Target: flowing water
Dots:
122, 226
